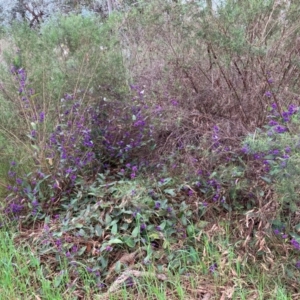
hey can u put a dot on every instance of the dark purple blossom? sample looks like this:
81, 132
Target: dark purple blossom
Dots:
273, 123
174, 102
213, 267
108, 248
268, 94
295, 244
280, 129
42, 117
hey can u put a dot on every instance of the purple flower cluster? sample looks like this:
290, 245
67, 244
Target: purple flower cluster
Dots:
276, 118
216, 187
127, 130
215, 137
295, 244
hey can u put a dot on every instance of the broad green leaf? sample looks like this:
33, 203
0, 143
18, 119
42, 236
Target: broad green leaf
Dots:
170, 192
115, 241
135, 231
107, 219
114, 229
82, 250
297, 227
98, 230
266, 179
58, 280
154, 236
190, 230
166, 244
183, 220
129, 242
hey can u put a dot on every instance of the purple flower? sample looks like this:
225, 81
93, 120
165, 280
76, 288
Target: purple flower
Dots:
42, 117
11, 174
292, 109
134, 169
216, 197
74, 249
274, 106
275, 152
216, 128
33, 133
273, 123
129, 282
268, 94
286, 116
213, 268
143, 226
295, 244
280, 129
174, 102
108, 248
297, 265
19, 181
157, 205
245, 149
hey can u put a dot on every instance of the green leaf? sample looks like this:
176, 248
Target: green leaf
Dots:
202, 224
266, 179
57, 280
118, 266
154, 236
82, 232
130, 242
163, 225
269, 157
183, 220
33, 125
98, 230
190, 230
170, 192
297, 227
107, 219
166, 244
135, 231
115, 241
114, 229
82, 250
